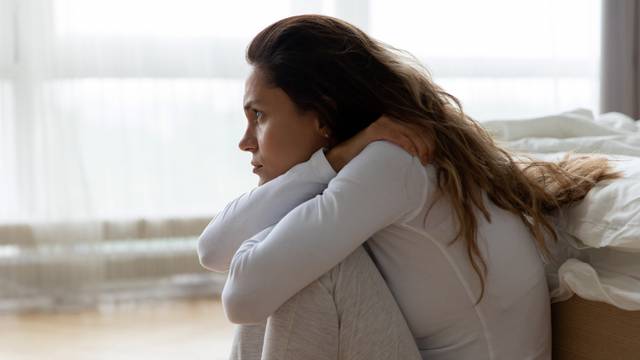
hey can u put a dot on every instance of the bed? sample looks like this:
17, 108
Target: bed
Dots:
595, 287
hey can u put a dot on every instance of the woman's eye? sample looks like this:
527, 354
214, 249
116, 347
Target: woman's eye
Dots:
258, 114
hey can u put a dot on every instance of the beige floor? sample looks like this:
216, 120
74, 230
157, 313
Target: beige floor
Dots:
195, 329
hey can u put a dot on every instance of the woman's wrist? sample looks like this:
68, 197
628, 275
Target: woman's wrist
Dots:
335, 158
339, 155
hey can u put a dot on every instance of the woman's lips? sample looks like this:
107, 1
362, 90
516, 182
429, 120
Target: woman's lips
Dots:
256, 168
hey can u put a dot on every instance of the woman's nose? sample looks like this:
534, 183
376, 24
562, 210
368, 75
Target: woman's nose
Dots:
248, 142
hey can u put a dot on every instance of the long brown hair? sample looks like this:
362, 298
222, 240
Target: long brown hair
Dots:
329, 66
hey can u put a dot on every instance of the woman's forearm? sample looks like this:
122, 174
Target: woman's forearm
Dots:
259, 208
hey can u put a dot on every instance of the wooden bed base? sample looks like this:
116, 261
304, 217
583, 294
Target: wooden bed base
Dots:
591, 330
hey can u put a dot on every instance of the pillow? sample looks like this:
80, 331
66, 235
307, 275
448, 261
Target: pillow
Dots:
609, 215
599, 236
575, 123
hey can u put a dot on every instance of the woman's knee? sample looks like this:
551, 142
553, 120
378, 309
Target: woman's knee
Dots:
357, 265
354, 265
356, 269
350, 270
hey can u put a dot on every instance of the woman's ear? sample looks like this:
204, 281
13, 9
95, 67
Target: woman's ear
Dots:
322, 129
325, 133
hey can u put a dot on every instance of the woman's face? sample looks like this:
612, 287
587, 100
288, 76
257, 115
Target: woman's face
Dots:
277, 135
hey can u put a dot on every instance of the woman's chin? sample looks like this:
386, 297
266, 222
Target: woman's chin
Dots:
263, 180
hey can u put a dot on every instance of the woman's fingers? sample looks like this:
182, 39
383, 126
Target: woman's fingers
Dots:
395, 133
412, 144
422, 152
421, 146
418, 137
407, 144
411, 137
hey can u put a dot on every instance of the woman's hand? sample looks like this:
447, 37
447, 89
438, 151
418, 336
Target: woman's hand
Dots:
410, 137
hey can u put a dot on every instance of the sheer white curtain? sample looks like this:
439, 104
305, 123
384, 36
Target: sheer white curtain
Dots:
501, 58
119, 119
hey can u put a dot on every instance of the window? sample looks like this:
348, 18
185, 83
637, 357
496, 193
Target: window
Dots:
125, 109
502, 59
120, 119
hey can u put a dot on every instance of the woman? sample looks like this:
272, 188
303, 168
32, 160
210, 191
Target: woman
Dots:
352, 141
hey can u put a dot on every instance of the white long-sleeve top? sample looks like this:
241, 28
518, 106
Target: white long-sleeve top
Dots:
279, 237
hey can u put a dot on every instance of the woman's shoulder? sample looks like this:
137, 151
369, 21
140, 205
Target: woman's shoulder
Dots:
384, 150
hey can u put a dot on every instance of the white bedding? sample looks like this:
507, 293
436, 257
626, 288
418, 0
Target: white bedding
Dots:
599, 245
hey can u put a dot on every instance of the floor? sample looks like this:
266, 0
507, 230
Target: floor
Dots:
195, 329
